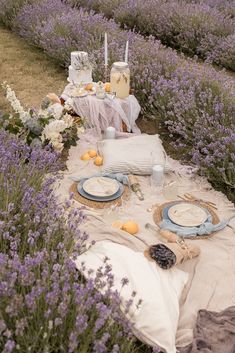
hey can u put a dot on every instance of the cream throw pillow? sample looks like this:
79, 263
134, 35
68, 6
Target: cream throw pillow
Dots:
156, 320
133, 155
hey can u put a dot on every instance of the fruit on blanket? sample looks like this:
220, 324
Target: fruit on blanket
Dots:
92, 153
85, 157
107, 87
98, 161
130, 227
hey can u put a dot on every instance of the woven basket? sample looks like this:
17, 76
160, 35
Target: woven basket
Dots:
158, 216
99, 204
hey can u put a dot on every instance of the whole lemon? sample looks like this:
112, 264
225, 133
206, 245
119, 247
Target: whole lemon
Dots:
107, 87
130, 227
89, 87
92, 153
85, 157
98, 161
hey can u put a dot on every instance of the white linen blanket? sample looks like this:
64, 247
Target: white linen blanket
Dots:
211, 283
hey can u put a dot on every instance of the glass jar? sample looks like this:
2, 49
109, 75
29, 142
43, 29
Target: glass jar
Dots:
120, 79
100, 90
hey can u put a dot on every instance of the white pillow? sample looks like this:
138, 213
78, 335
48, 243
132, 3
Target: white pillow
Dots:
133, 155
155, 322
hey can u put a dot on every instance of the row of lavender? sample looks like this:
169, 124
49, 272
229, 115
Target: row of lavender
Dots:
45, 304
191, 27
227, 7
195, 102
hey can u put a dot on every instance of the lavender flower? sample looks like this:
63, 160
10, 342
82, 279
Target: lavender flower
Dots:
46, 305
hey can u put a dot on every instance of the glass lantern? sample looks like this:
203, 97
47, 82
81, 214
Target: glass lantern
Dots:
120, 79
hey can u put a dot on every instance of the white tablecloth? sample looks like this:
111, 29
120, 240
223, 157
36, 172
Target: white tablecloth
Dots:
101, 113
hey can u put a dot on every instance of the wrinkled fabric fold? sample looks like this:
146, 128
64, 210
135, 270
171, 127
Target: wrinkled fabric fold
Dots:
213, 333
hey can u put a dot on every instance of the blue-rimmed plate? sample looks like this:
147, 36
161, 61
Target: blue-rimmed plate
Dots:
180, 221
101, 186
115, 196
187, 215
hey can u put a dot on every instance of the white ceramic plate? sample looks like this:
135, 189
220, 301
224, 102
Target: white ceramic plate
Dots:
101, 186
187, 215
75, 93
84, 83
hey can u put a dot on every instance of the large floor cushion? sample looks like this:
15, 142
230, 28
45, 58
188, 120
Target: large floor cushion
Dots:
134, 155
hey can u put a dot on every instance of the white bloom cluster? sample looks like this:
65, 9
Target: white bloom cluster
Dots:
15, 103
52, 131
58, 121
56, 110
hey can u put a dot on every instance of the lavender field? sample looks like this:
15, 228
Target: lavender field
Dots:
46, 305
205, 29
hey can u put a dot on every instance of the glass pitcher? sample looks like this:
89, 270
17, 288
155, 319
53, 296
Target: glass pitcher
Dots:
120, 79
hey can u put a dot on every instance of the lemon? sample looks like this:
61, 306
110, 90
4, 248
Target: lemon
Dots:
89, 87
98, 161
130, 227
85, 157
92, 153
107, 87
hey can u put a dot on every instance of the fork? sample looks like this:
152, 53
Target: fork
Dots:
191, 197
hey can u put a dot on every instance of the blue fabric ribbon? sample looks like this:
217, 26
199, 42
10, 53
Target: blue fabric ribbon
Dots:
204, 229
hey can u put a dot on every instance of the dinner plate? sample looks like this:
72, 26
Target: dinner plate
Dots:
187, 215
75, 93
77, 83
101, 186
97, 198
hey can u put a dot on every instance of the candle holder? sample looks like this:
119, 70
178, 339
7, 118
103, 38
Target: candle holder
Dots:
100, 90
110, 133
157, 176
106, 73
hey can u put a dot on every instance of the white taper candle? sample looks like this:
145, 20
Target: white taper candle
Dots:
126, 51
105, 50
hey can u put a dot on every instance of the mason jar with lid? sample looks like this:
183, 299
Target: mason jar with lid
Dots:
120, 79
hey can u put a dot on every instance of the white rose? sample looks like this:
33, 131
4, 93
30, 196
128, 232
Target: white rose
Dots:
55, 126
56, 110
58, 146
68, 119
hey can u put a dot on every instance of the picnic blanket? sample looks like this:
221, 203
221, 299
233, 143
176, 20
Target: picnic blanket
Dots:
211, 277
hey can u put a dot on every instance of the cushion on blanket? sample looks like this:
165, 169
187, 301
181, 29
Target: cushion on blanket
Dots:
134, 155
155, 322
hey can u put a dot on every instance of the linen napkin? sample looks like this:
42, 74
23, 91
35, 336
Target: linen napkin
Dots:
206, 228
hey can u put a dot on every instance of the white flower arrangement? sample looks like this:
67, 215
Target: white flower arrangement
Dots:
15, 103
52, 124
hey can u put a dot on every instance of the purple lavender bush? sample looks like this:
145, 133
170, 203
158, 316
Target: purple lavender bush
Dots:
45, 303
180, 25
227, 7
9, 10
